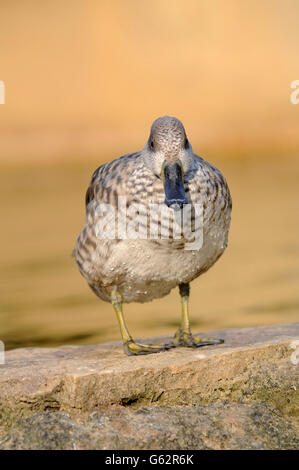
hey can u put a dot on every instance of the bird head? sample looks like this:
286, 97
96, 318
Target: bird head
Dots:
168, 154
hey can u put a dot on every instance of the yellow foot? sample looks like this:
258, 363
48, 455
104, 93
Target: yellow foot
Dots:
137, 349
186, 338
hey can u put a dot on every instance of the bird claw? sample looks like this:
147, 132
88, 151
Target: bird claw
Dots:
132, 348
187, 339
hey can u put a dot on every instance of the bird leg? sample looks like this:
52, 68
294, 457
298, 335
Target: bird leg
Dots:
132, 348
184, 337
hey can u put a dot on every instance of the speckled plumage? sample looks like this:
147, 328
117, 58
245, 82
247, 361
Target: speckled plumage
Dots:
142, 270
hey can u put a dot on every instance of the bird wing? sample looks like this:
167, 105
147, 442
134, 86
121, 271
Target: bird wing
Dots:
108, 179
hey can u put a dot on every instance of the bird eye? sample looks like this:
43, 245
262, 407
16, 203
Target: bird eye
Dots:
152, 144
186, 143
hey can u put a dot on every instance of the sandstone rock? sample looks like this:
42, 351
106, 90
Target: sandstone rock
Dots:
218, 426
242, 394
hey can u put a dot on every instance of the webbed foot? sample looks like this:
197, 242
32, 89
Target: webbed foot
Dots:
132, 348
187, 339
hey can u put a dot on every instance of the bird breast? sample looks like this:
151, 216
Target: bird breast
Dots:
148, 268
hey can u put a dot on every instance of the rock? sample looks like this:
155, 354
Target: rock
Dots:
242, 394
218, 426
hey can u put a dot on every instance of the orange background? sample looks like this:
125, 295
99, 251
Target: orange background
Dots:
89, 77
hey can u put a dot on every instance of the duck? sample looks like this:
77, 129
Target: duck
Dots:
156, 219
